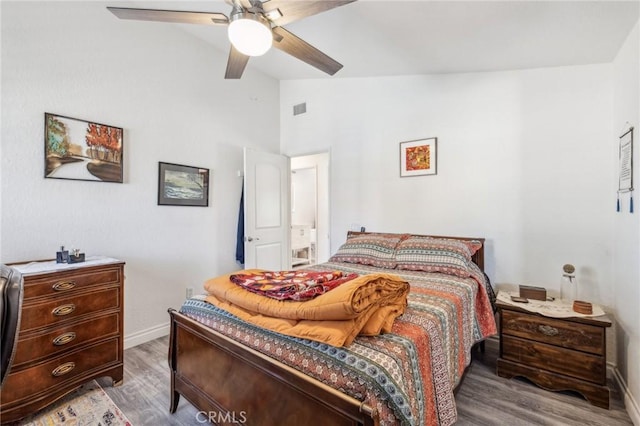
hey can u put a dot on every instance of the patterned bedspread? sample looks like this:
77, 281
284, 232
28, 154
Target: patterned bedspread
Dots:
408, 375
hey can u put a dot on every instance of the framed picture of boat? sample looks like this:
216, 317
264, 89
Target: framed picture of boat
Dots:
180, 185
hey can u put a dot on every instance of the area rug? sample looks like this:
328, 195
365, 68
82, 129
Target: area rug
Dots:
89, 405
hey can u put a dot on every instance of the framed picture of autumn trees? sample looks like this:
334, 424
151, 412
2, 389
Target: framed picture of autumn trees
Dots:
180, 185
81, 150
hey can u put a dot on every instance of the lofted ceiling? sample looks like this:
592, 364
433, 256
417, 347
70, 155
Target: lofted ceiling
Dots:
385, 38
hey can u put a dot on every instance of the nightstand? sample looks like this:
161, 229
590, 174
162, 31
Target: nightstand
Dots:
555, 353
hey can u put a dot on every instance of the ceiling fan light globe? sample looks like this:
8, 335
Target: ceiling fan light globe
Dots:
250, 34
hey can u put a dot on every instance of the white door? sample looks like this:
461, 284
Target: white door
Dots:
266, 211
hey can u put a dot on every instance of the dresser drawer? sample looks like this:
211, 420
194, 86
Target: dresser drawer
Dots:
65, 338
61, 309
68, 282
553, 358
47, 377
583, 337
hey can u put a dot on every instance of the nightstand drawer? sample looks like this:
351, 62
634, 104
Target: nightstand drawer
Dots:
564, 333
65, 338
68, 282
57, 310
553, 358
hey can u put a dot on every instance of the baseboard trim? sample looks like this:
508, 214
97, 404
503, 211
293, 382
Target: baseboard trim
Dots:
144, 336
630, 403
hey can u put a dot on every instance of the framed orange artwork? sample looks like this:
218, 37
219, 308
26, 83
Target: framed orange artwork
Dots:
82, 150
418, 157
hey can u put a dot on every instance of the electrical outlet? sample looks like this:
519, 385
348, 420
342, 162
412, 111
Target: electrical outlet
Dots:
189, 292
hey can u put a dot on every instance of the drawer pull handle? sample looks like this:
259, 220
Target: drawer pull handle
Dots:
64, 310
548, 330
64, 338
63, 369
64, 285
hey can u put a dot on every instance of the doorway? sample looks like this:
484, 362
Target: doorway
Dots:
309, 209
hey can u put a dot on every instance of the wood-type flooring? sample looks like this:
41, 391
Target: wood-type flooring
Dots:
483, 398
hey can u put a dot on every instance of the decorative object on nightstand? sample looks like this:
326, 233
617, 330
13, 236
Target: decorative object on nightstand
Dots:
582, 307
556, 353
568, 283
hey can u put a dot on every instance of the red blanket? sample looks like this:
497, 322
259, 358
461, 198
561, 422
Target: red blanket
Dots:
291, 285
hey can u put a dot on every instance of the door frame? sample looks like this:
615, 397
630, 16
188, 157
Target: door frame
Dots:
321, 161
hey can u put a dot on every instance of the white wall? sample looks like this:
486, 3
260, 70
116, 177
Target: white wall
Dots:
626, 248
303, 196
166, 89
520, 162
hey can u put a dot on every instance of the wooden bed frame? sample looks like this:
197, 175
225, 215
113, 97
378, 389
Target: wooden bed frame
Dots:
233, 384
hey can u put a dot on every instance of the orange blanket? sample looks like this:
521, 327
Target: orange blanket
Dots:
367, 305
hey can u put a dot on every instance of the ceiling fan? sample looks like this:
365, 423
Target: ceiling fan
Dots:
254, 26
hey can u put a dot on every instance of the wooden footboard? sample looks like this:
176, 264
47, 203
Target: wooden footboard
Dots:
232, 384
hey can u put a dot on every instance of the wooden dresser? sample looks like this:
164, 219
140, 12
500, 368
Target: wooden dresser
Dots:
71, 332
555, 353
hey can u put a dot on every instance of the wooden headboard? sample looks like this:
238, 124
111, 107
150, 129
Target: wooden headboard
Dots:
477, 258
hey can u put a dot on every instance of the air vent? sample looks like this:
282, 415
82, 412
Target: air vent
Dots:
300, 108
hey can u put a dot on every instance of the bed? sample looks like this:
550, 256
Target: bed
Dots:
235, 372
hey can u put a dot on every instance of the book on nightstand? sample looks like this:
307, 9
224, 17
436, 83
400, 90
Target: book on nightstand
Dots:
531, 292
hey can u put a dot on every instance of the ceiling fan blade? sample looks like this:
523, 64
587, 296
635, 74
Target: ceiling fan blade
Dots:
283, 12
295, 46
235, 64
175, 16
246, 4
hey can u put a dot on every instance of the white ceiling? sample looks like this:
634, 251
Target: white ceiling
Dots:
382, 38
